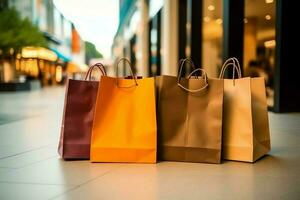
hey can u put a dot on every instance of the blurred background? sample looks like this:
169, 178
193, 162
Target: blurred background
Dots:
45, 42
40, 44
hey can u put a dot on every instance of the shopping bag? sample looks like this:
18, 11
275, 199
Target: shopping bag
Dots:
124, 128
246, 135
78, 116
189, 117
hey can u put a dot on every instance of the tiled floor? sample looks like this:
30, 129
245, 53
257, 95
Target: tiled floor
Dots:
31, 169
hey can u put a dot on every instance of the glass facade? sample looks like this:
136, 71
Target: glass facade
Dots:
212, 40
58, 23
259, 42
210, 31
155, 45
133, 52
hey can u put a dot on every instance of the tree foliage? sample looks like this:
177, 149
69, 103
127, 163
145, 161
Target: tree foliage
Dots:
91, 51
16, 32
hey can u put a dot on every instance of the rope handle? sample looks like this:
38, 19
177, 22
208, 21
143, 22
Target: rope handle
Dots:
234, 62
130, 67
204, 74
189, 61
236, 67
100, 66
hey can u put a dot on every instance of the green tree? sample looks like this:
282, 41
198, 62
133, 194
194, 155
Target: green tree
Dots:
16, 32
91, 52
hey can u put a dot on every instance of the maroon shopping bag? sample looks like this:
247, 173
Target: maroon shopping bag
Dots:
78, 116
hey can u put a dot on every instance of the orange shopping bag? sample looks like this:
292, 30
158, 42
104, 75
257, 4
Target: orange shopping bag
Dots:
124, 128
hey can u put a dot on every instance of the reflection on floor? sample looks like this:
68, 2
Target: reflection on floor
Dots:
31, 169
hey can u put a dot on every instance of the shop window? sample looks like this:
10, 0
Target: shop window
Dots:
259, 42
133, 52
212, 39
155, 45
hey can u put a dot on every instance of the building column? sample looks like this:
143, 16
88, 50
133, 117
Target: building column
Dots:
143, 42
194, 31
286, 77
233, 30
183, 30
170, 37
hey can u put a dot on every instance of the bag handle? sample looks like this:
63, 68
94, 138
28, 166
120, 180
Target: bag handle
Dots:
189, 62
234, 62
204, 74
236, 67
99, 66
130, 67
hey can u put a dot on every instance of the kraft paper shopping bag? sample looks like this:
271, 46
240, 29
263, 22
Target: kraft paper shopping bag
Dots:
189, 117
246, 135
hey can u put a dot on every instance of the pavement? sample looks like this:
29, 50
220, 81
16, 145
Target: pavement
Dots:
30, 167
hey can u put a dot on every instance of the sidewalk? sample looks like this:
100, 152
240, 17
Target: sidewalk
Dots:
30, 167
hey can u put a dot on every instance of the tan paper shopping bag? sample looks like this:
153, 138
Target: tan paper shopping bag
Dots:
124, 128
246, 135
189, 118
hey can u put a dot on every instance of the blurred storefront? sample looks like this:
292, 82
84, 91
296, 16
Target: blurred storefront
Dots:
65, 55
37, 63
155, 34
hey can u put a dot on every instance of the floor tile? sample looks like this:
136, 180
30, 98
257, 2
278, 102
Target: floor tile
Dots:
171, 180
16, 191
58, 171
28, 158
